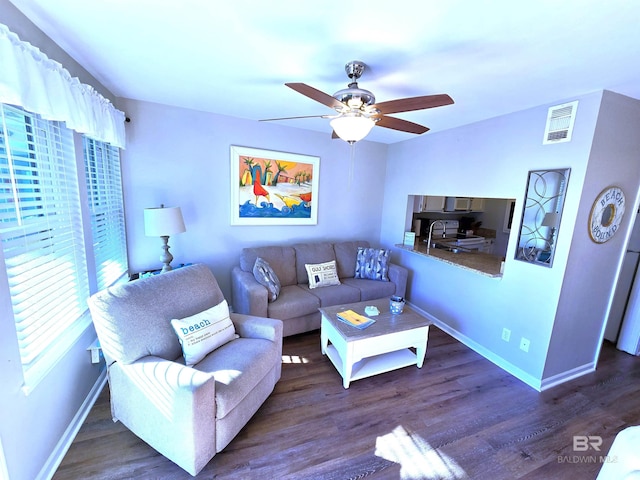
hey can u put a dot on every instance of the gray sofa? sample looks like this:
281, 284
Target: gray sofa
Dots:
187, 413
297, 305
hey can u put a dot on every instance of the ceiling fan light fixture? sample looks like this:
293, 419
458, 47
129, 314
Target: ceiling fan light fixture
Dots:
352, 128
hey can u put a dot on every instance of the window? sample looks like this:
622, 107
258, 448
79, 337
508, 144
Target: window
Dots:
42, 236
41, 233
104, 191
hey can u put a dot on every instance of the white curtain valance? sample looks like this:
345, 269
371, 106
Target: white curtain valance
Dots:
28, 78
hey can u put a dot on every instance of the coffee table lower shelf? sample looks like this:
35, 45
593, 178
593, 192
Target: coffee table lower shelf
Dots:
374, 365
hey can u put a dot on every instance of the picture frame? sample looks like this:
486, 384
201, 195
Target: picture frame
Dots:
541, 215
273, 188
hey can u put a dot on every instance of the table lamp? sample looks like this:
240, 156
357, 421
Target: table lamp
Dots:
163, 222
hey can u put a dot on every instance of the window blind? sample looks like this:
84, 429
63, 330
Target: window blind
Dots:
104, 191
41, 236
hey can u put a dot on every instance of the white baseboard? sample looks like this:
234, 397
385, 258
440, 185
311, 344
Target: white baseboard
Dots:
568, 375
54, 460
4, 473
486, 353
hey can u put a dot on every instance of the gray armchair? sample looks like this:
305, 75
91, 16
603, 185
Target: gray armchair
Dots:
187, 413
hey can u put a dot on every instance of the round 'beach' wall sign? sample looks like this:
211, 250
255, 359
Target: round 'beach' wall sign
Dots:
606, 214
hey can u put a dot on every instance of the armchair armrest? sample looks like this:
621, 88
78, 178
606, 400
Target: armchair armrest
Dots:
249, 297
399, 275
177, 382
161, 401
250, 326
169, 375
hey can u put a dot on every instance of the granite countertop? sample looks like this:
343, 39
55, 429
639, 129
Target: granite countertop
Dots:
479, 262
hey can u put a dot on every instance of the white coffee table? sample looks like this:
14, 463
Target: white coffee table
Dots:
379, 348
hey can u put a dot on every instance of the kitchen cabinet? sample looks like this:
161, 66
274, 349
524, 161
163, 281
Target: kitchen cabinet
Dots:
457, 204
430, 203
477, 205
488, 245
434, 203
464, 204
417, 203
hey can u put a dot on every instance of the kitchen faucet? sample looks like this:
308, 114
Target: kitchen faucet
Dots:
444, 232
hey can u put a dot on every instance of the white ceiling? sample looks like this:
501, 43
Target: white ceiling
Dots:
233, 57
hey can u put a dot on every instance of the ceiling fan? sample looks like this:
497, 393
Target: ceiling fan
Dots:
358, 112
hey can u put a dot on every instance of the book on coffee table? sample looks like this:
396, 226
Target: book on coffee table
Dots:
354, 319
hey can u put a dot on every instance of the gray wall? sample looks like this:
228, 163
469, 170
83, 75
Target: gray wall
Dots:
492, 159
181, 157
592, 268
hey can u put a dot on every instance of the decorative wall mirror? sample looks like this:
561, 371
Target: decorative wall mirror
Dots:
541, 214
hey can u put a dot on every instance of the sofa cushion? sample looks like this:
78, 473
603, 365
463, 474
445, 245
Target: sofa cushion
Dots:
202, 333
264, 275
335, 294
322, 274
346, 253
237, 368
293, 301
372, 263
371, 289
281, 259
308, 253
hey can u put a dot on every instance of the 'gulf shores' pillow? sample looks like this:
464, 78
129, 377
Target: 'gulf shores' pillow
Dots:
202, 333
322, 274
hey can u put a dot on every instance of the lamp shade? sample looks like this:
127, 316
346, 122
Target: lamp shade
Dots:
352, 128
161, 221
550, 219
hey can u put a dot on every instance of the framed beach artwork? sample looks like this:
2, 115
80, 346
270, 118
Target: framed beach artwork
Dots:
273, 188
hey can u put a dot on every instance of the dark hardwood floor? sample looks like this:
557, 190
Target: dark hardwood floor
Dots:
459, 416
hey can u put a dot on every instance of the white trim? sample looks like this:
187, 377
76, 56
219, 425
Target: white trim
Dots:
4, 473
486, 353
56, 457
56, 353
563, 377
537, 384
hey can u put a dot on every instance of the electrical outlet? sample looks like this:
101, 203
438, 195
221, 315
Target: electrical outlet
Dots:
524, 344
506, 334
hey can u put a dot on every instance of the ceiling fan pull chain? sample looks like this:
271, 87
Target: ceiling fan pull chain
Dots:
352, 163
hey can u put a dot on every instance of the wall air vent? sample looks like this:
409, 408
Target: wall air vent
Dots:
560, 121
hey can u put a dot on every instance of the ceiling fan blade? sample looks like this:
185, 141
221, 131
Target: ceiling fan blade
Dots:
293, 118
414, 103
334, 135
402, 125
317, 95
